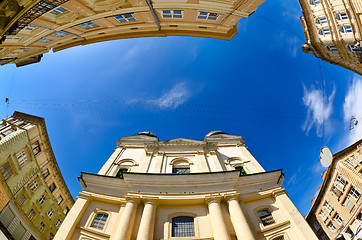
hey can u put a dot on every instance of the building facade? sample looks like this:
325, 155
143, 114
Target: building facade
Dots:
183, 189
61, 24
332, 29
336, 211
36, 198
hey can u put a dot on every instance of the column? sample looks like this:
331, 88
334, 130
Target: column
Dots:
217, 220
238, 219
126, 222
67, 229
147, 225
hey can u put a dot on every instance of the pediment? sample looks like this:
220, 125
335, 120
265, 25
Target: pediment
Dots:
182, 141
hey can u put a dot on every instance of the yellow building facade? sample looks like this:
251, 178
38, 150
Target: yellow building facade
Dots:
36, 198
336, 211
332, 29
61, 24
183, 189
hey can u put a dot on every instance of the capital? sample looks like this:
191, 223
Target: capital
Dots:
133, 199
213, 199
230, 197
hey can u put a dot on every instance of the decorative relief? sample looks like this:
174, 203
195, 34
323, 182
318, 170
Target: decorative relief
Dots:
28, 175
105, 5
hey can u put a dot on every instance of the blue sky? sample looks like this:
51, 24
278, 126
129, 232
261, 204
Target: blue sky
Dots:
286, 104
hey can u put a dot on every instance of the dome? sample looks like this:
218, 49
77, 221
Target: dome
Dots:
145, 133
212, 133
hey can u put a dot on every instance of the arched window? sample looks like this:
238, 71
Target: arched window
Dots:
265, 217
99, 221
242, 170
180, 167
279, 238
121, 171
183, 226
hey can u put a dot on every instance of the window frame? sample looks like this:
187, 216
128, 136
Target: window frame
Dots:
265, 217
22, 158
52, 189
345, 29
33, 185
176, 234
186, 214
126, 18
94, 217
207, 16
6, 173
341, 16
354, 193
172, 14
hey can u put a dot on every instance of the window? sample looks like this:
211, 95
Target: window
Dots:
22, 159
324, 31
88, 25
60, 34
350, 162
128, 17
332, 227
265, 217
180, 170
9, 37
328, 206
58, 10
99, 221
172, 13
50, 213
315, 2
354, 193
7, 132
322, 20
183, 226
121, 171
66, 210
51, 236
279, 238
41, 227
33, 185
336, 191
346, 29
21, 199
338, 219
316, 226
45, 173
36, 147
6, 170
323, 215
340, 180
242, 170
52, 187
207, 15
356, 158
349, 233
45, 40
348, 204
354, 49
59, 200
342, 16
42, 200
360, 152
58, 223
332, 48
324, 237
31, 214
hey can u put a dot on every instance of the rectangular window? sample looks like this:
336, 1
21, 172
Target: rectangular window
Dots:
346, 29
42, 200
6, 170
342, 16
22, 159
8, 131
34, 185
328, 206
324, 237
59, 200
172, 13
350, 162
332, 48
31, 214
354, 193
332, 227
180, 170
349, 233
323, 215
45, 40
50, 213
66, 210
60, 34
340, 180
354, 49
315, 2
99, 221
88, 25
45, 173
52, 187
348, 204
322, 20
58, 223
316, 226
207, 15
360, 152
336, 191
36, 147
324, 31
338, 219
58, 10
21, 199
356, 158
41, 227
128, 17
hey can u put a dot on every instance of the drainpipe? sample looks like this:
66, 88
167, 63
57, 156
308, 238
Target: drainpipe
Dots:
154, 14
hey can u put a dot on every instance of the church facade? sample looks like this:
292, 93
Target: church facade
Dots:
183, 189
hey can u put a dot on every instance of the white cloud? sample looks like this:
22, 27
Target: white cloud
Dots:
353, 108
320, 109
173, 98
